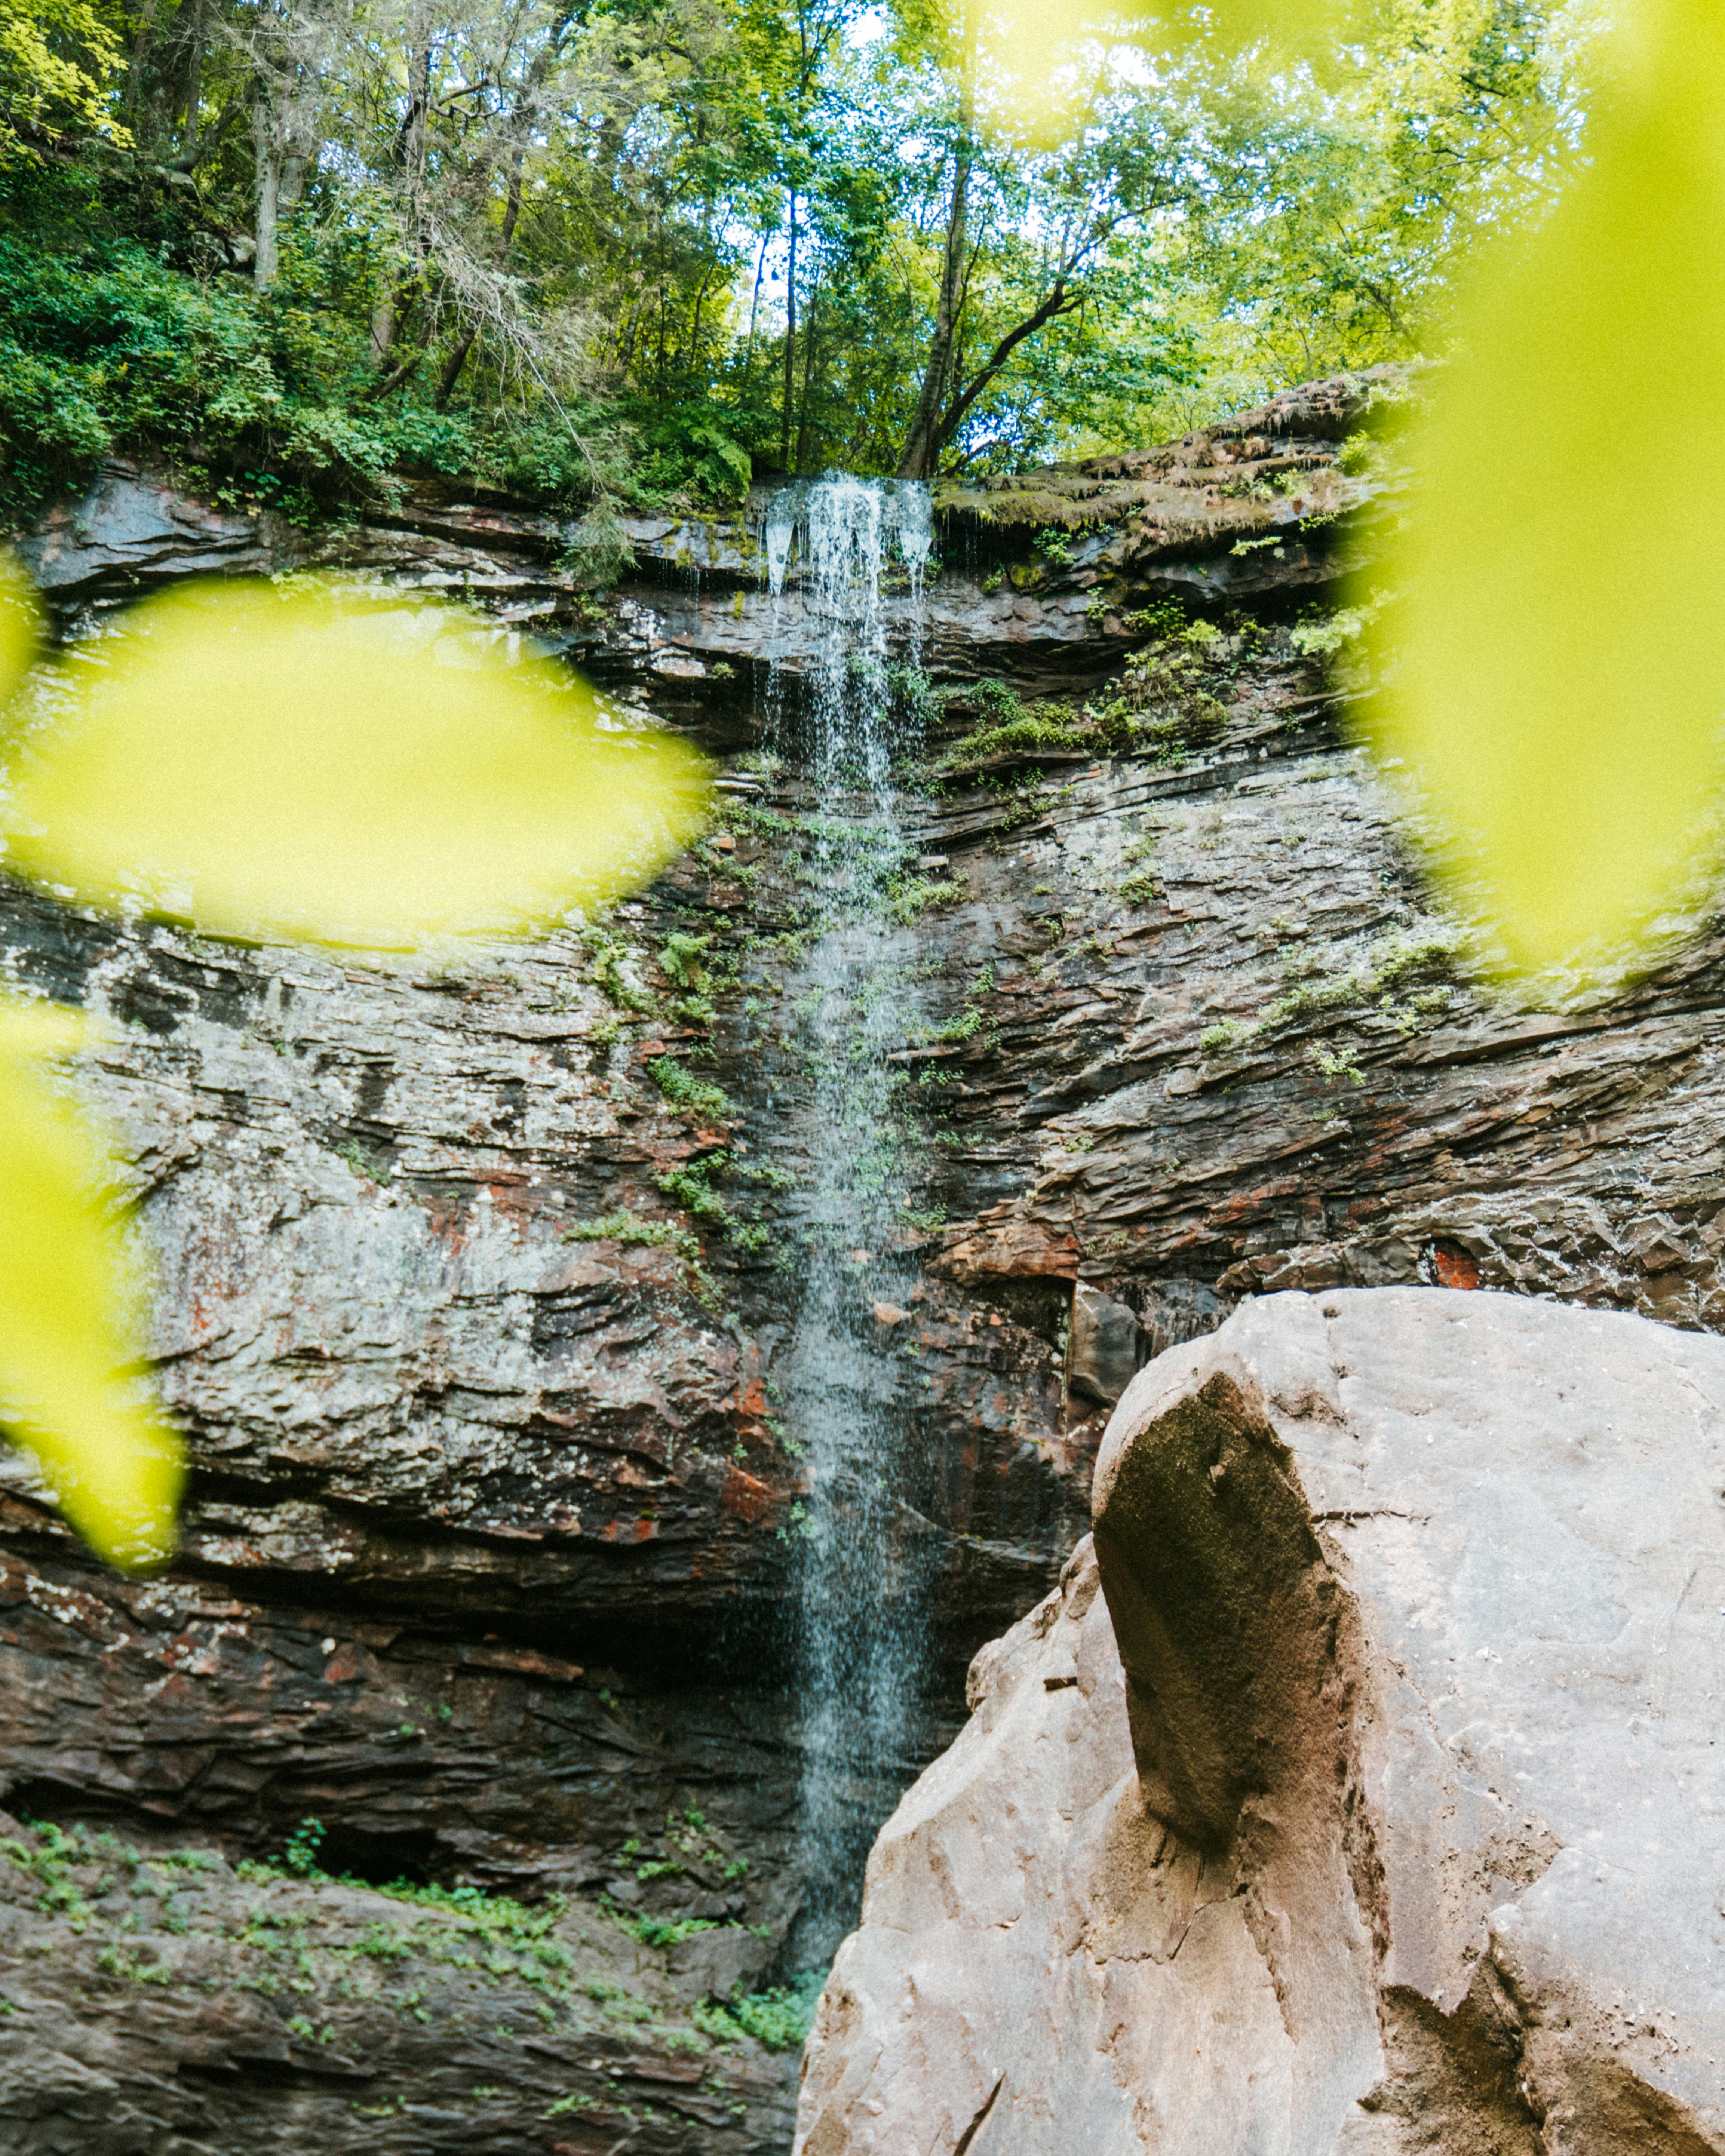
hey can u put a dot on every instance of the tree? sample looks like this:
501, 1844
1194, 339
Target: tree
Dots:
58, 58
294, 47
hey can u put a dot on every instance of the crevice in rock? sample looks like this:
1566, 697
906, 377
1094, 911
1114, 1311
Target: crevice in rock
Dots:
967, 2139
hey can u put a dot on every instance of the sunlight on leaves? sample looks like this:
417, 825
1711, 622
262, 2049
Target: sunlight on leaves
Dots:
69, 1318
1561, 651
292, 762
1034, 45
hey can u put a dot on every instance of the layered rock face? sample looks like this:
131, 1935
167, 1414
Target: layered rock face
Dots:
494, 1547
1360, 1790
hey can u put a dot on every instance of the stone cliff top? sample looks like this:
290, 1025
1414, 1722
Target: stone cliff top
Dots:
1249, 473
1253, 479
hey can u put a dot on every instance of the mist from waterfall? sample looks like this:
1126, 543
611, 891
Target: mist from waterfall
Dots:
863, 1556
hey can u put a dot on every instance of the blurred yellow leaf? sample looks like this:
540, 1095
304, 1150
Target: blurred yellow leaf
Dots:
20, 625
1557, 670
290, 762
67, 1310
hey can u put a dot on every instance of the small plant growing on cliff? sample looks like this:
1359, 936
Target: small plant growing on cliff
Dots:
688, 1094
681, 957
299, 1856
779, 2020
623, 1226
614, 972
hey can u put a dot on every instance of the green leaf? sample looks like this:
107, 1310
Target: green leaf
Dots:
290, 763
1556, 668
68, 1309
269, 763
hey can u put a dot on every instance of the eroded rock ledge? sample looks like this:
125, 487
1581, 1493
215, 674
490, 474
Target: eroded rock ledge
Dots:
1359, 1791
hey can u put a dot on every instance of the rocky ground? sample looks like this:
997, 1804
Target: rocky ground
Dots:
219, 2007
473, 1278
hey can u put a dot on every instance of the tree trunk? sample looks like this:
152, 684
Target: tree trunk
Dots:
281, 122
748, 356
694, 329
790, 344
267, 261
134, 96
383, 324
456, 360
392, 304
194, 92
922, 443
810, 342
452, 369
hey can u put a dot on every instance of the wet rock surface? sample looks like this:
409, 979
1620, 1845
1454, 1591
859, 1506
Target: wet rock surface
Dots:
474, 1327
1358, 1791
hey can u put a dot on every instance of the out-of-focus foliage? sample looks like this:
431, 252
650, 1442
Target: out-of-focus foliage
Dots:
274, 763
266, 762
1557, 663
68, 1310
19, 633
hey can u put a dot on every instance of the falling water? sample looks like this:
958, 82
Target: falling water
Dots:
862, 1550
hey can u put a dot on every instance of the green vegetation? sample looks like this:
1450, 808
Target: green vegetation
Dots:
1377, 986
632, 256
692, 1188
283, 1933
614, 970
779, 2019
681, 955
908, 898
1163, 706
968, 1022
623, 1226
688, 1094
1017, 731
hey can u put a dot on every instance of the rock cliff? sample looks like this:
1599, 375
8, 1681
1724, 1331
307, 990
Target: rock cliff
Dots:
477, 1285
1358, 1791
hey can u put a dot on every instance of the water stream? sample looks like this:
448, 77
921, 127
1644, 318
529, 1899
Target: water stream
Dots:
864, 1556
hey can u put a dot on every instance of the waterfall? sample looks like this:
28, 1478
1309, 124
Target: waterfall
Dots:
863, 1552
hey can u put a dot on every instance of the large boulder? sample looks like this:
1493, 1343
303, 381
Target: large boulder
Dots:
1359, 1790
